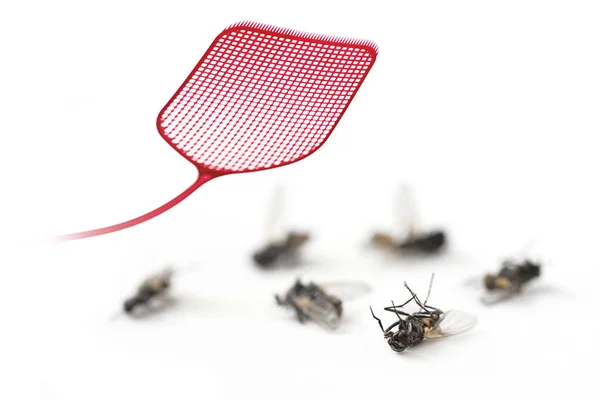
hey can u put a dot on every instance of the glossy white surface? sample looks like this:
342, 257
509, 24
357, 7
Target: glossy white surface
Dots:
489, 110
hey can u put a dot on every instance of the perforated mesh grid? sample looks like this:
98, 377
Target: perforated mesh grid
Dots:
262, 97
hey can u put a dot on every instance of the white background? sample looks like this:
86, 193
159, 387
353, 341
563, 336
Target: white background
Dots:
490, 109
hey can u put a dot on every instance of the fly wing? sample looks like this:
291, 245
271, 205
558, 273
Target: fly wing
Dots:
322, 312
453, 322
474, 281
526, 248
492, 297
348, 290
274, 214
405, 211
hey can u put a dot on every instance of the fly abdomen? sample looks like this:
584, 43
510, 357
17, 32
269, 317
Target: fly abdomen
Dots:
142, 297
268, 256
324, 312
428, 243
131, 303
530, 271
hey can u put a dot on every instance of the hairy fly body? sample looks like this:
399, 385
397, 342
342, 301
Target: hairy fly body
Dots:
511, 279
153, 287
429, 322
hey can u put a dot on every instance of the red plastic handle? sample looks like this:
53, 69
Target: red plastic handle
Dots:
202, 179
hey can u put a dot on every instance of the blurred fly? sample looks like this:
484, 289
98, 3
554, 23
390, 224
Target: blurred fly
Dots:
151, 289
511, 279
285, 250
427, 323
412, 241
320, 303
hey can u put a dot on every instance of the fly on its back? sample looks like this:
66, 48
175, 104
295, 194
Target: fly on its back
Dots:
427, 323
320, 303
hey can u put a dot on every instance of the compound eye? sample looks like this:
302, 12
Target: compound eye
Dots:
397, 347
401, 337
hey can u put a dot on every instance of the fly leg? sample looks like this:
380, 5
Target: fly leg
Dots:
394, 308
425, 307
414, 295
396, 311
381, 325
429, 291
378, 320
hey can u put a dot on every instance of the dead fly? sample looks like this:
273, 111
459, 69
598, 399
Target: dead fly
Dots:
285, 250
153, 288
320, 303
411, 242
510, 280
427, 323
424, 243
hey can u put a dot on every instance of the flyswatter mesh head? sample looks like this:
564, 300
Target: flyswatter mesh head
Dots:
261, 97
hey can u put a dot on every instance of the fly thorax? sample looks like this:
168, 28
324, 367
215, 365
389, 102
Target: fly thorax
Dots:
427, 322
503, 282
155, 284
418, 332
295, 240
382, 240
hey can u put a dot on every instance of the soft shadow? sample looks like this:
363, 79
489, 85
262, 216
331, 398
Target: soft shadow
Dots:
549, 289
448, 258
533, 293
285, 266
349, 323
171, 306
154, 308
428, 348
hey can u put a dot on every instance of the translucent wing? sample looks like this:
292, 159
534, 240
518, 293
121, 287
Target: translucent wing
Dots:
526, 248
405, 211
453, 322
322, 312
530, 251
191, 267
492, 297
474, 281
348, 290
274, 213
